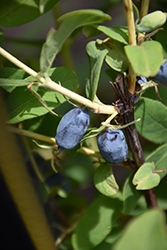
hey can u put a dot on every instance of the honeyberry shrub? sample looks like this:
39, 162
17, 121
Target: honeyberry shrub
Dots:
92, 202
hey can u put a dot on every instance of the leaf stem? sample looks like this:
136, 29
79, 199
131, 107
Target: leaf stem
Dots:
132, 41
98, 108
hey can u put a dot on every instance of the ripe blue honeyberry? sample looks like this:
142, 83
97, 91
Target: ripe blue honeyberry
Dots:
142, 80
72, 128
162, 73
112, 145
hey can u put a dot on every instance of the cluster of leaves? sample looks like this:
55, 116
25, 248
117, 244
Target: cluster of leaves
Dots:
101, 226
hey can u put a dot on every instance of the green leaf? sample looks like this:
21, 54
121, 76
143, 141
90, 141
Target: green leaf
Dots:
90, 31
162, 90
161, 194
116, 57
23, 105
159, 157
12, 77
130, 195
107, 243
2, 39
11, 84
119, 34
146, 232
96, 222
104, 180
14, 13
42, 5
146, 59
145, 178
153, 124
96, 57
70, 22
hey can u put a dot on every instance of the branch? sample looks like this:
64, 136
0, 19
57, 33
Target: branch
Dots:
144, 8
132, 41
99, 108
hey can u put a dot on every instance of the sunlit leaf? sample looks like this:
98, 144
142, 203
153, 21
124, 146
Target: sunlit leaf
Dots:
159, 157
145, 178
146, 58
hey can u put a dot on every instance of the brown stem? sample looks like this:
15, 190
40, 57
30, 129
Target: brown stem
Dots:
138, 155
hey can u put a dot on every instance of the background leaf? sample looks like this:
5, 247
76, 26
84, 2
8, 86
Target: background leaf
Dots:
147, 231
23, 105
70, 22
146, 59
14, 13
96, 57
12, 77
153, 124
97, 222
130, 195
2, 39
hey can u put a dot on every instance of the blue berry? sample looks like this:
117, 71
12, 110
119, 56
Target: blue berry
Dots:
162, 73
72, 128
112, 145
141, 79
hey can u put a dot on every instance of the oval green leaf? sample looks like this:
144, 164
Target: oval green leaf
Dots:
153, 124
159, 157
96, 222
145, 178
146, 59
104, 180
14, 13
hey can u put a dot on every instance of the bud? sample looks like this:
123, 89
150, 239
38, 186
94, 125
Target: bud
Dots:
151, 21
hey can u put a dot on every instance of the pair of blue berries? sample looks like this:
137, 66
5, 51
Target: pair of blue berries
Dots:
72, 127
